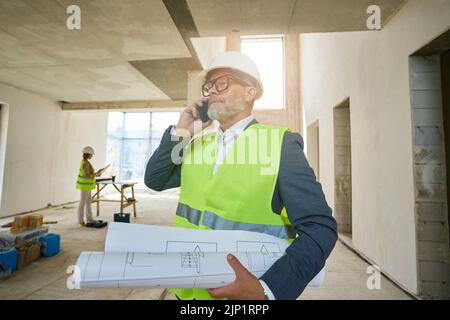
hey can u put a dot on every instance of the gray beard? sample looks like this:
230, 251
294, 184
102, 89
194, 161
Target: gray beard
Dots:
225, 113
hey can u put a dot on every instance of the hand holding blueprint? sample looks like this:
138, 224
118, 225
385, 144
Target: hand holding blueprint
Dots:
146, 256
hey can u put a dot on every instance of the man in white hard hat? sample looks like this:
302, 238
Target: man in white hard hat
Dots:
285, 201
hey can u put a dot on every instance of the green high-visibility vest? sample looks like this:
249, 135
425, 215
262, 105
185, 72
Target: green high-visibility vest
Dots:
239, 195
84, 183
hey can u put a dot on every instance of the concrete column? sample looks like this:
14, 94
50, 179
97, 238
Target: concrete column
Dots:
194, 86
313, 148
292, 81
233, 41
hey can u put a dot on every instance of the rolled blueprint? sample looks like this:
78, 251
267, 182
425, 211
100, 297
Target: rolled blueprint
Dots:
166, 270
145, 256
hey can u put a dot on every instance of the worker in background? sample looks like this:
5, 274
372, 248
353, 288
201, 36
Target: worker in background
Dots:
285, 201
86, 183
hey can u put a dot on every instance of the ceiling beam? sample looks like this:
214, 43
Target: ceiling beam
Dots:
182, 17
150, 104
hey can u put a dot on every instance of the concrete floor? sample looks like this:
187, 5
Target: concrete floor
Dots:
46, 278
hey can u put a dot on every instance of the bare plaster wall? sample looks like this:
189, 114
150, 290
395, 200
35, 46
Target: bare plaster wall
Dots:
371, 68
43, 150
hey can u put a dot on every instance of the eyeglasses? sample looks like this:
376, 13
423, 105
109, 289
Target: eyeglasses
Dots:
221, 84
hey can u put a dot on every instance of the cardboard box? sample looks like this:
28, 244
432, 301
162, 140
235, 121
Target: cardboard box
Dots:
29, 252
32, 233
14, 230
35, 220
20, 223
27, 222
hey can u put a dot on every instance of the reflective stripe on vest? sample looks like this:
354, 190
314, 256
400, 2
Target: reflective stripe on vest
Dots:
213, 221
236, 197
192, 215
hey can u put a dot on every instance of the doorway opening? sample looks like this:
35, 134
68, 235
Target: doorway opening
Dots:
430, 105
4, 115
313, 148
342, 168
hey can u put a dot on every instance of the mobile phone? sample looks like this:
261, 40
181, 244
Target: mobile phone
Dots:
203, 111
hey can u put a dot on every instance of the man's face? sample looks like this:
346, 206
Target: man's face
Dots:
225, 104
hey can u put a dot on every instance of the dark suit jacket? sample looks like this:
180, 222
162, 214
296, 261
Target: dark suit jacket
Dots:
297, 190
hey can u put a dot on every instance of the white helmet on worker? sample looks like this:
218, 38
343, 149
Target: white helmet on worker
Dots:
238, 61
88, 150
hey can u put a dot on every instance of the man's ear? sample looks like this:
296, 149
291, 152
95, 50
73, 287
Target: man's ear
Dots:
250, 93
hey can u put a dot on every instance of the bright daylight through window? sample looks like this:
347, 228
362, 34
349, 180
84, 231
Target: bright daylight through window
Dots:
268, 54
132, 139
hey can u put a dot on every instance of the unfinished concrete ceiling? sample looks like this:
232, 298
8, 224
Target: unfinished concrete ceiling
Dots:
40, 54
251, 17
141, 49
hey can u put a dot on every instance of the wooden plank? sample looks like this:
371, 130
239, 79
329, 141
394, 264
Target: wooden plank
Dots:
132, 203
134, 200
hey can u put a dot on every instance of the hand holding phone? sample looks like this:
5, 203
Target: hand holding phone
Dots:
196, 111
203, 111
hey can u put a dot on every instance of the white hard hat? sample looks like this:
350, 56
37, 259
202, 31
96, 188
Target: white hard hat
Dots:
88, 150
236, 61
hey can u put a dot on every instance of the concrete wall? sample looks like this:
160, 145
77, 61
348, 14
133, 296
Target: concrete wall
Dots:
371, 68
4, 116
430, 176
43, 150
342, 168
313, 148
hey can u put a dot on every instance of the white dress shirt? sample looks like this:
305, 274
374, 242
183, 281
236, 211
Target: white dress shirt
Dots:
225, 142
